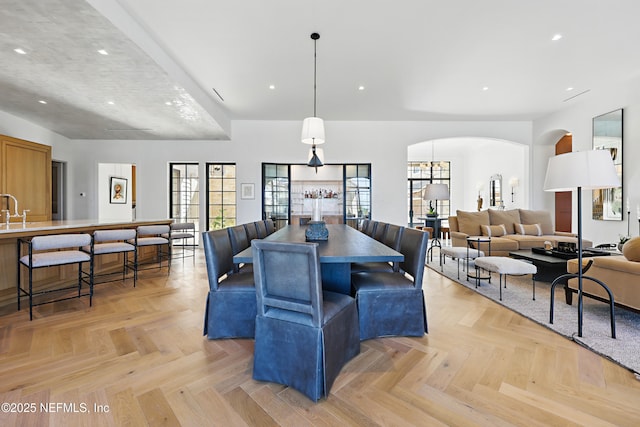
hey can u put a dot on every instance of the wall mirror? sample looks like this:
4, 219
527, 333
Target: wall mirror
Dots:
495, 191
607, 135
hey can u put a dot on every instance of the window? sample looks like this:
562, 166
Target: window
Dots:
221, 195
420, 174
184, 199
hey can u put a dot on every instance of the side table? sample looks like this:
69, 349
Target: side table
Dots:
477, 239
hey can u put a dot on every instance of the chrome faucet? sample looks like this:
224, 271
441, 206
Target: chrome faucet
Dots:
15, 209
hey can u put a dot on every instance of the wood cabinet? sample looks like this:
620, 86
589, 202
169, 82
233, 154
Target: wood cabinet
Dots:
25, 172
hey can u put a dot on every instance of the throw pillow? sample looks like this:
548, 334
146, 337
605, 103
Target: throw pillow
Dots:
543, 218
528, 229
508, 218
631, 249
493, 230
470, 222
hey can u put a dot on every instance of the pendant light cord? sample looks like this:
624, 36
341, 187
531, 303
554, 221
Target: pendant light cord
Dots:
315, 37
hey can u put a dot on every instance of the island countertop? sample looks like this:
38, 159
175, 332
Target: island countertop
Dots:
17, 229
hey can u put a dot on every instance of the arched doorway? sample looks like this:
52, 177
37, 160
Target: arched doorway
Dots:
563, 200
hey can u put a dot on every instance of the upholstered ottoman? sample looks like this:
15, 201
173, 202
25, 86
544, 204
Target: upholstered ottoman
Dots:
505, 267
458, 253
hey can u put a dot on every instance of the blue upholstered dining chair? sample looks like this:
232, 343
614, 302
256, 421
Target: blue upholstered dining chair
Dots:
252, 231
391, 238
370, 229
262, 229
271, 226
392, 303
380, 231
304, 336
231, 302
239, 242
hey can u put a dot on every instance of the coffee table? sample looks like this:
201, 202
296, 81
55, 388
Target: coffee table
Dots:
549, 267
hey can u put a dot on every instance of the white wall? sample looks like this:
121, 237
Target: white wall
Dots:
473, 162
578, 120
383, 144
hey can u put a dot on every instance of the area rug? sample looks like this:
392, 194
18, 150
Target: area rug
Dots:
596, 326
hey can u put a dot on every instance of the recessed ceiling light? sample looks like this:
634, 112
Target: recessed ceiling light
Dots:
103, 52
272, 87
167, 103
556, 37
20, 51
569, 89
360, 87
42, 101
110, 102
485, 88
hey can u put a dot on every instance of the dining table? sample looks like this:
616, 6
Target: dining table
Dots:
344, 246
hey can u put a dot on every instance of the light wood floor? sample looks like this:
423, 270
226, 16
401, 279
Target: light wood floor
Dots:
140, 357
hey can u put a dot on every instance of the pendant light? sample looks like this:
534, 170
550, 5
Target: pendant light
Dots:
313, 127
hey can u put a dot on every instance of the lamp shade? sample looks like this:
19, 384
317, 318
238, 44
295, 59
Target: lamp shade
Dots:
313, 131
590, 170
436, 192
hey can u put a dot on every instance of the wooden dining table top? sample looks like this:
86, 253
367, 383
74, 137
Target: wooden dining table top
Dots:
345, 245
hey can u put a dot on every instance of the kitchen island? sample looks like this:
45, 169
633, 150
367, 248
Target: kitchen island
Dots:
9, 235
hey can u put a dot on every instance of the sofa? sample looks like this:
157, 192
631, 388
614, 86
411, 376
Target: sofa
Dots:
510, 230
621, 274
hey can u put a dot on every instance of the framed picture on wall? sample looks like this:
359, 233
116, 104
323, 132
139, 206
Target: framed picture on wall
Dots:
118, 190
247, 191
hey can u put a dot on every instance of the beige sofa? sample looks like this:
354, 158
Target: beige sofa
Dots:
619, 273
510, 230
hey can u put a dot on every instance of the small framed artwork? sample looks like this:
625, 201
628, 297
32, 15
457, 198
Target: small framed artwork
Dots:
247, 191
118, 190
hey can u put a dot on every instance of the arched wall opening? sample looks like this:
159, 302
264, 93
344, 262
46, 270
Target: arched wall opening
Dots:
474, 160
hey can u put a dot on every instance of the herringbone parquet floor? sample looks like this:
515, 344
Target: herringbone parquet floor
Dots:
138, 358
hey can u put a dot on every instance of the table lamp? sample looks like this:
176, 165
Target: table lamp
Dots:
591, 170
435, 192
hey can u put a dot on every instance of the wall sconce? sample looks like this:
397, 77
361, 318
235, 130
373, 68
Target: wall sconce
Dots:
513, 182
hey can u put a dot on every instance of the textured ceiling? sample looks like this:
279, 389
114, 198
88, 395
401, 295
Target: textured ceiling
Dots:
417, 60
62, 67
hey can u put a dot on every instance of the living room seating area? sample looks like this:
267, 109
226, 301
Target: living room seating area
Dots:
510, 230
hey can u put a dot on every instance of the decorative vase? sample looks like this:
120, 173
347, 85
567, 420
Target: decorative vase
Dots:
316, 210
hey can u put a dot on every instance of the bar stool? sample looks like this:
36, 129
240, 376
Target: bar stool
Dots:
152, 235
52, 251
112, 242
184, 231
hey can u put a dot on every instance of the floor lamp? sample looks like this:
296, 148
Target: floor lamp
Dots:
589, 170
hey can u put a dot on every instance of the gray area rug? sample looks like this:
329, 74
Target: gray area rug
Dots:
596, 326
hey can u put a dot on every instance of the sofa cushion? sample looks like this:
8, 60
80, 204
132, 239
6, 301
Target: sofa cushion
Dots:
493, 230
631, 249
508, 218
528, 229
537, 217
470, 222
498, 245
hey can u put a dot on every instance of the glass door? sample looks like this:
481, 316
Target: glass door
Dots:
276, 191
357, 194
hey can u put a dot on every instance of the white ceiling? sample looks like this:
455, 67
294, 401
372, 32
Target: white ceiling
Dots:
417, 60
